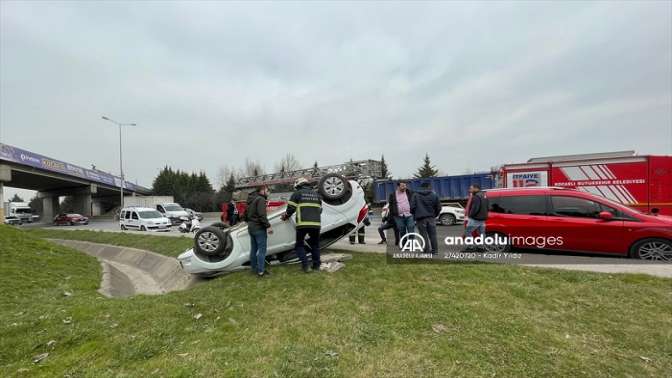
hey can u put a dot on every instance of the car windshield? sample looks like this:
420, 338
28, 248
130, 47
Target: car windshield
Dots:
173, 208
618, 204
74, 215
150, 214
24, 210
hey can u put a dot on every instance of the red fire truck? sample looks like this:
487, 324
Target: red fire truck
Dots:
640, 182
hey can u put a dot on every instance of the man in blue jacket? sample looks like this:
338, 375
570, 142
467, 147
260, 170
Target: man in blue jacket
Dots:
425, 207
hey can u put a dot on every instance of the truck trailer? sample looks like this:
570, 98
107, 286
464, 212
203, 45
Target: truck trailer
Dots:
641, 182
449, 188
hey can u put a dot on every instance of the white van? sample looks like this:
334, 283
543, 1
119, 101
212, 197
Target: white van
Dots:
143, 219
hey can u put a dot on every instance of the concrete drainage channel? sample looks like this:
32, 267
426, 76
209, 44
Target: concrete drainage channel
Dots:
130, 271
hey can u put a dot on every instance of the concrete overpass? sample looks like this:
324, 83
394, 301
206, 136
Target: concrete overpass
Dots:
92, 190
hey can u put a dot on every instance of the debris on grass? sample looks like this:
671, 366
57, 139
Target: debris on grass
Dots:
331, 353
51, 343
233, 321
188, 305
439, 328
37, 359
198, 316
67, 294
67, 320
331, 267
645, 359
182, 354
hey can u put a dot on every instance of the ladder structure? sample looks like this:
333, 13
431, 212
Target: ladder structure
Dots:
352, 169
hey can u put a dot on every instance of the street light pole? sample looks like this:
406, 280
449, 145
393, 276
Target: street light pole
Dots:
121, 160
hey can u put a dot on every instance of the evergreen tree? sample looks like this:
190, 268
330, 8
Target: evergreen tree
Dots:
384, 172
427, 169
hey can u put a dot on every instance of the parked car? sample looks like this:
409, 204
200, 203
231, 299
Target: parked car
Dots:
174, 212
451, 214
218, 248
70, 219
585, 222
143, 219
194, 214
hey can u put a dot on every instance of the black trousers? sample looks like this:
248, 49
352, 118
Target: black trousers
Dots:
427, 229
360, 236
313, 242
386, 226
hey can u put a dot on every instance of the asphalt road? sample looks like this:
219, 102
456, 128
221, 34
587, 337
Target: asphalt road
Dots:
595, 263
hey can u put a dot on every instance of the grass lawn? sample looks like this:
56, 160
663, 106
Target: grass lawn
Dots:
369, 319
165, 245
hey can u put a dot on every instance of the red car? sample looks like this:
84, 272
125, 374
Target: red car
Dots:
70, 219
571, 220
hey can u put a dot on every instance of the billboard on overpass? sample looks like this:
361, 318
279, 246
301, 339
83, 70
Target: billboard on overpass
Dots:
21, 156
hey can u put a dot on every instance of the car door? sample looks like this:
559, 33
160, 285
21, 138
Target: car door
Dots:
520, 217
577, 221
134, 221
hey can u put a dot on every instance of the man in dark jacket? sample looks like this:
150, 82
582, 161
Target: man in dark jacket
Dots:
425, 207
231, 213
307, 204
259, 228
400, 209
477, 211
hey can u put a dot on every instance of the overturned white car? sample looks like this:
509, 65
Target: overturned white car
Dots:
218, 248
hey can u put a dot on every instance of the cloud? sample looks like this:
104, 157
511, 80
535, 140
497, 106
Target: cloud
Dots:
210, 84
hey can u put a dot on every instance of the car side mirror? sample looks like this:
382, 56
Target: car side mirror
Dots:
606, 216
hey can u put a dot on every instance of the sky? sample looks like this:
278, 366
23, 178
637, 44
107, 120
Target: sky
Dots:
210, 84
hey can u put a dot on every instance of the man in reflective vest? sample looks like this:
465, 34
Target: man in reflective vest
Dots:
307, 204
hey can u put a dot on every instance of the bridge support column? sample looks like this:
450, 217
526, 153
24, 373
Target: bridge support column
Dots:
5, 176
50, 207
2, 203
82, 204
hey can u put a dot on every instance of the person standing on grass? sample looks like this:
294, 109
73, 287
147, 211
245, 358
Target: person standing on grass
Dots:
387, 222
425, 207
400, 209
306, 202
259, 228
477, 211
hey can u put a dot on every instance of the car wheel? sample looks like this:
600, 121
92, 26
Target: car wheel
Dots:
334, 189
496, 248
652, 249
143, 228
447, 219
72, 223
123, 228
213, 241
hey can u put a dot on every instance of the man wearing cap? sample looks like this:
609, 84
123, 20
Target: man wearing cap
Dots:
425, 207
307, 204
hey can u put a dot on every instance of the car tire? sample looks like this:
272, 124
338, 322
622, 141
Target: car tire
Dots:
213, 241
656, 249
447, 219
334, 189
497, 248
72, 223
123, 228
143, 228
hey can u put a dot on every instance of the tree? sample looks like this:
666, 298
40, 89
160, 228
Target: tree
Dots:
427, 169
36, 205
384, 172
16, 198
252, 168
287, 164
